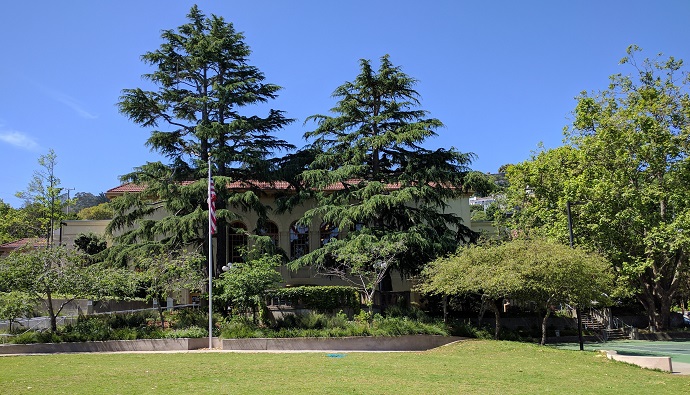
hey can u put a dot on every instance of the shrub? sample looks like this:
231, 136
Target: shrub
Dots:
36, 337
187, 318
319, 298
190, 332
87, 329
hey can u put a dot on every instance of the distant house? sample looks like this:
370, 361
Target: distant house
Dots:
485, 202
31, 242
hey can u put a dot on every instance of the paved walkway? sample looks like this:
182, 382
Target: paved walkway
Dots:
680, 367
678, 351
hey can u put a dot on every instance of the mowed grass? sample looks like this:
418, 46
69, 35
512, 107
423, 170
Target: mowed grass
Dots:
470, 367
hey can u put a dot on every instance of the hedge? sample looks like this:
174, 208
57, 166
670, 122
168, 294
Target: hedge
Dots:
319, 298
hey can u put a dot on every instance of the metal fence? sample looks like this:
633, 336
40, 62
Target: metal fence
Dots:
43, 323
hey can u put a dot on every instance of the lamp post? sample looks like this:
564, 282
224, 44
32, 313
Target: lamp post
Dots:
568, 204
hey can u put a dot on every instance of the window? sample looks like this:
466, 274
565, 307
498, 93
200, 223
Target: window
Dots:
238, 240
328, 232
270, 229
299, 240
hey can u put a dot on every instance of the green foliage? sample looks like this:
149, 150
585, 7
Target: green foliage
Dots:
491, 213
319, 298
245, 284
101, 211
481, 184
390, 191
362, 259
36, 337
163, 274
84, 200
627, 162
45, 272
90, 243
129, 326
536, 270
87, 329
21, 223
192, 332
204, 84
16, 304
186, 318
322, 325
43, 197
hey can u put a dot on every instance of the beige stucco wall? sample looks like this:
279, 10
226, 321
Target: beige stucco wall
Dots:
486, 228
73, 228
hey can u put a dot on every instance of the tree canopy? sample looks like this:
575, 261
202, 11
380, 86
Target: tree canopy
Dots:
626, 164
43, 273
42, 198
371, 174
537, 270
206, 86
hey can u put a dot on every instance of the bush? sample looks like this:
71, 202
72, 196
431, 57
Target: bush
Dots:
87, 329
187, 318
190, 332
321, 325
36, 337
319, 298
412, 312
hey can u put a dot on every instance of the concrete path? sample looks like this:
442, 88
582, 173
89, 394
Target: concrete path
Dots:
681, 368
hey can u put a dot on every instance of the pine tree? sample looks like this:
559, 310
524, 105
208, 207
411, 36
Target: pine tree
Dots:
205, 83
375, 182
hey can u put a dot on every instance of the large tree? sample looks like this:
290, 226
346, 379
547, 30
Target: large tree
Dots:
627, 165
371, 175
164, 274
537, 270
44, 273
206, 88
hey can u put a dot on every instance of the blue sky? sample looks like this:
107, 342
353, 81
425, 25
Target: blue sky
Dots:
501, 75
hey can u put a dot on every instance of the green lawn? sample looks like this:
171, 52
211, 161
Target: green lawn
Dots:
482, 367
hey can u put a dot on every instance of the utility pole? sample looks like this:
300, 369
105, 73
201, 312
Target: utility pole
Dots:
68, 201
578, 311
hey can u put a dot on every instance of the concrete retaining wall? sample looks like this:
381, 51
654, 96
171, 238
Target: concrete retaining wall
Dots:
661, 363
109, 346
400, 343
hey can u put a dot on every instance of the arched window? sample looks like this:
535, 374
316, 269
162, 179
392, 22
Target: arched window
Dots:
237, 240
299, 240
270, 229
328, 232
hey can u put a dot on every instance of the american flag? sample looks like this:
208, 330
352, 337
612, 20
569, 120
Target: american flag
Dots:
212, 207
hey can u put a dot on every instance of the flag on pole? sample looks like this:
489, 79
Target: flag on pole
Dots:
212, 207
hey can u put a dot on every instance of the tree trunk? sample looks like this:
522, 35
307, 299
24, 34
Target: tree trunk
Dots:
493, 306
543, 325
657, 305
51, 312
445, 309
160, 312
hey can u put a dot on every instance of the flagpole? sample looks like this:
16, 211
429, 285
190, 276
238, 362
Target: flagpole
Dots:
210, 259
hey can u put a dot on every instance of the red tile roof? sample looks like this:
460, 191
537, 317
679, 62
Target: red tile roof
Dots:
237, 185
30, 241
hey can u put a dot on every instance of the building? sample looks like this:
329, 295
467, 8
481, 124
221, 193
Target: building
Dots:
294, 239
31, 242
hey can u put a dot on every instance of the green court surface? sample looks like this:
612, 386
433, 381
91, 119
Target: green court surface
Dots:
679, 350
